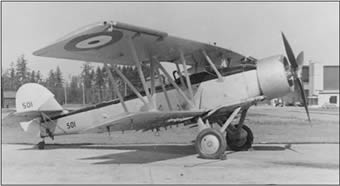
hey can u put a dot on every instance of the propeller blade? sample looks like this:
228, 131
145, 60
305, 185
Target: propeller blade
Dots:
289, 52
298, 81
295, 64
299, 59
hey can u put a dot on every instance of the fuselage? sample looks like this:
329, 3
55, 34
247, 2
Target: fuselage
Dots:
238, 84
207, 95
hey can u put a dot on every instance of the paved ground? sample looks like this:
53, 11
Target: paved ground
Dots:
83, 163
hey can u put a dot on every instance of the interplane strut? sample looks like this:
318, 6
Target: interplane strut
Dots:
174, 84
212, 65
120, 97
180, 74
140, 72
160, 79
187, 76
132, 87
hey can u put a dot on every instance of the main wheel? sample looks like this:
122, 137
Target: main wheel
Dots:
239, 140
41, 145
210, 144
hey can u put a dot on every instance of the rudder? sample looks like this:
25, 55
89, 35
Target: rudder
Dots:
35, 97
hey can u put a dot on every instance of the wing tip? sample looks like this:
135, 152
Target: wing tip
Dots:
40, 52
36, 53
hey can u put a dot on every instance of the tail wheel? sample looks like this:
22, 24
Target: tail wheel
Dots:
239, 140
210, 144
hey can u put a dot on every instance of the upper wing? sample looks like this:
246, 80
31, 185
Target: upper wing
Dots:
108, 42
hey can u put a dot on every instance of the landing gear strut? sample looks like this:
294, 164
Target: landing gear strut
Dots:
48, 133
239, 137
210, 143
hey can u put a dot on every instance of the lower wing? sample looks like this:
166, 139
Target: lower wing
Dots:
150, 120
145, 121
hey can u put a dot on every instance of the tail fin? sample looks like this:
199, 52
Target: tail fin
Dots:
34, 97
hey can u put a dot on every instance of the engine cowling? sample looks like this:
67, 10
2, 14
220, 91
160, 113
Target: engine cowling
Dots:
273, 77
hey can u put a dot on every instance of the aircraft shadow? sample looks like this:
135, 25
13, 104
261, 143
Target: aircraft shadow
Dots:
134, 154
140, 154
144, 154
268, 148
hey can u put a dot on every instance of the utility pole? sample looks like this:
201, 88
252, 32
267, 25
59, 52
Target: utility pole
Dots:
83, 92
65, 92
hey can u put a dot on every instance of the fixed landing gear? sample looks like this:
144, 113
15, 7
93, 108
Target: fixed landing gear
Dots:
239, 139
210, 144
41, 145
48, 133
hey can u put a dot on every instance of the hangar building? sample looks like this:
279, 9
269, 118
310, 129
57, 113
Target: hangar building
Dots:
8, 99
321, 84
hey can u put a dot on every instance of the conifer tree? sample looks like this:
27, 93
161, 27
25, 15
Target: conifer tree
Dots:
22, 71
58, 78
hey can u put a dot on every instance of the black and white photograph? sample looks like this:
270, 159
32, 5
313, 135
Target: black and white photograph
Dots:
169, 92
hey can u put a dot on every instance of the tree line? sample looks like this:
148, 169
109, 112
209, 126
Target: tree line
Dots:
91, 86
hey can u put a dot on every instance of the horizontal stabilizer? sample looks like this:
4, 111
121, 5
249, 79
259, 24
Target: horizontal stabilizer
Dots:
32, 127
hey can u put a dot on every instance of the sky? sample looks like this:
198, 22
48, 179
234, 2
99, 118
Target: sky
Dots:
249, 28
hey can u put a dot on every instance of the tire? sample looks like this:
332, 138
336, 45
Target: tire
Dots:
41, 145
232, 143
210, 144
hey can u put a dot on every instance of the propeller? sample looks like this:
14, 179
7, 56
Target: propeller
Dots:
296, 64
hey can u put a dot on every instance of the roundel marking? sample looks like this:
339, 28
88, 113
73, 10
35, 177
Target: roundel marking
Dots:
93, 41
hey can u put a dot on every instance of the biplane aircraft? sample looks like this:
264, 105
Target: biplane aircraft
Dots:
215, 86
